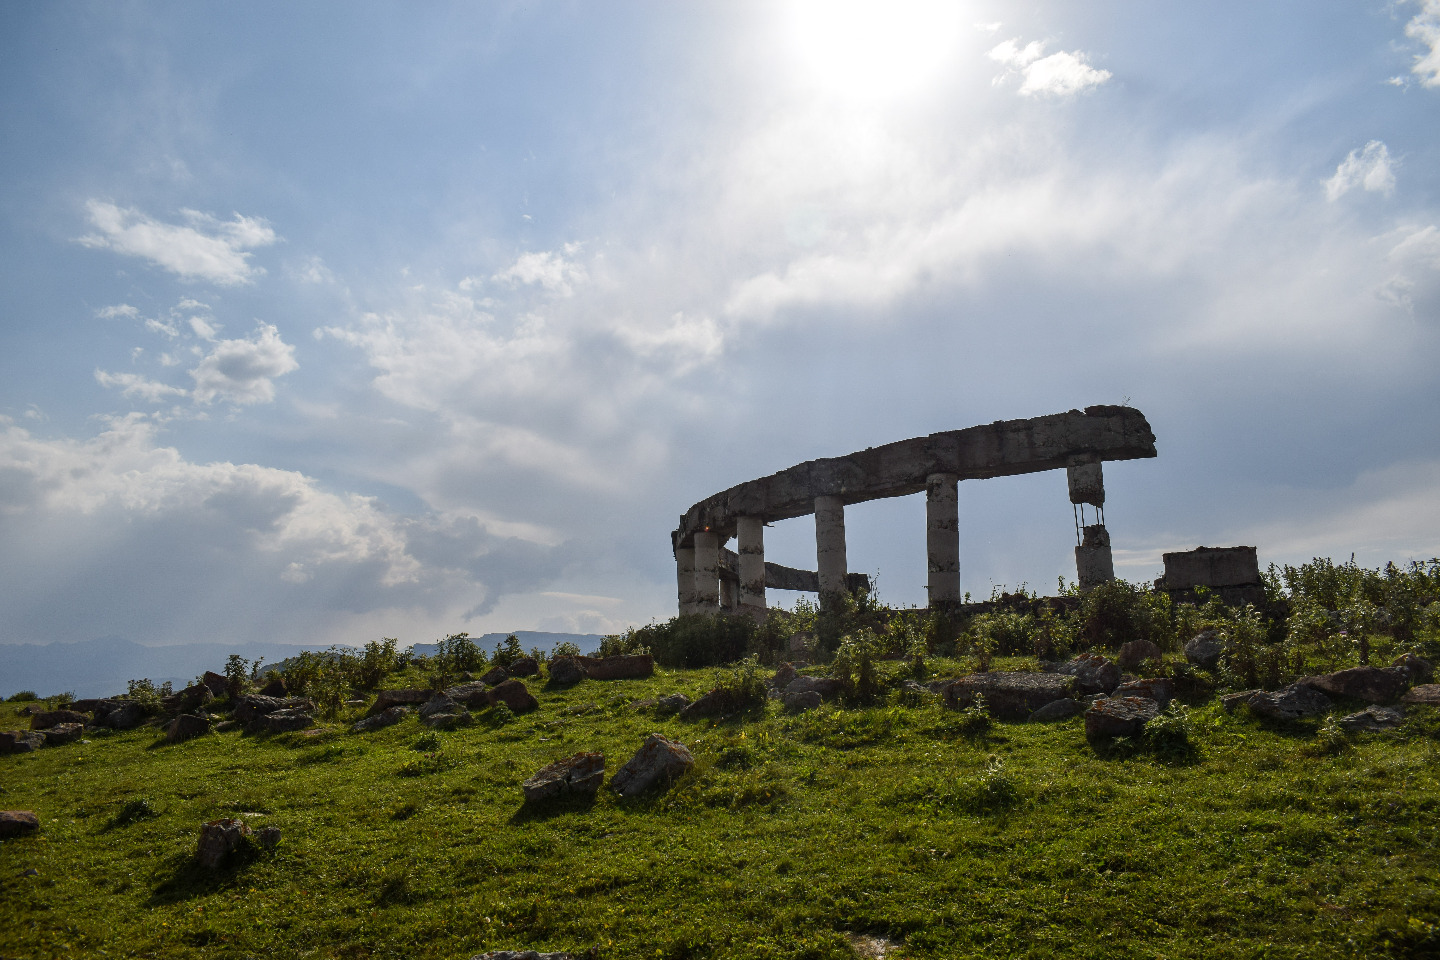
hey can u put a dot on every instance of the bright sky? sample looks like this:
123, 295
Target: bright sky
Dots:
328, 322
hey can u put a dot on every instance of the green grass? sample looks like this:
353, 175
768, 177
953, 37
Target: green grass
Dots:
791, 832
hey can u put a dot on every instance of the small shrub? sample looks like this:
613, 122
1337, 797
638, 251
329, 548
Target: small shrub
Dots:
24, 696
1330, 739
974, 721
742, 690
147, 695
854, 667
500, 715
427, 743
1168, 736
140, 808
458, 653
376, 661
564, 648
994, 789
238, 674
428, 763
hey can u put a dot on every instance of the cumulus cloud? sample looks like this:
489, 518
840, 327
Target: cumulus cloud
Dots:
1368, 168
119, 310
136, 387
1061, 74
243, 371
1425, 27
203, 248
546, 268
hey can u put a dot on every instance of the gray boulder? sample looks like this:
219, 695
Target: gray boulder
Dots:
189, 700
217, 839
494, 676
281, 721
1204, 649
21, 741
439, 703
1092, 673
384, 718
1370, 684
412, 697
254, 706
1427, 694
186, 727
46, 719
1159, 689
1292, 703
1119, 717
659, 759
515, 695
1372, 719
582, 774
827, 687
1416, 669
1010, 695
127, 716
801, 701
1229, 702
566, 670
524, 667
784, 675
1057, 710
1136, 652
471, 694
276, 687
64, 733
17, 823
707, 706
672, 703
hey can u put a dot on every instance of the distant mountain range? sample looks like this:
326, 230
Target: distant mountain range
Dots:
98, 668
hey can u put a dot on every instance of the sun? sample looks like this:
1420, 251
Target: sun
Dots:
864, 50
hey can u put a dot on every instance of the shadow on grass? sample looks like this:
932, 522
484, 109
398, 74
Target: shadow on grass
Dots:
532, 811
182, 878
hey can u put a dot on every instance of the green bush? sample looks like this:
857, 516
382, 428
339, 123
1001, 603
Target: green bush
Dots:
505, 653
742, 690
147, 695
24, 696
377, 660
457, 653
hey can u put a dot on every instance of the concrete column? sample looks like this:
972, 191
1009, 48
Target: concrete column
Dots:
727, 595
750, 533
1093, 562
942, 537
685, 578
830, 545
1087, 483
707, 571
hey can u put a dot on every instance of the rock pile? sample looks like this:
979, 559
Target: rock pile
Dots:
581, 774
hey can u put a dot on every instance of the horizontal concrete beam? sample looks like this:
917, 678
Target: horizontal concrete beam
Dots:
1001, 449
778, 577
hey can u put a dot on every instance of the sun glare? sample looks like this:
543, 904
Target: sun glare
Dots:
866, 50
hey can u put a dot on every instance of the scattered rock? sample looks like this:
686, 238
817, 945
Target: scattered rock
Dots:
254, 706
1057, 710
439, 703
268, 837
64, 733
1417, 669
1370, 684
523, 955
1010, 695
1092, 673
1137, 652
801, 642
1119, 717
186, 727
524, 667
46, 719
281, 721
471, 694
582, 773
275, 688
1372, 719
91, 705
1204, 649
566, 670
189, 700
385, 718
801, 700
225, 726
494, 676
217, 839
444, 721
672, 703
660, 758
514, 695
216, 682
1295, 701
828, 687
707, 706
1159, 689
1229, 701
385, 699
127, 716
626, 667
1427, 694
16, 823
784, 675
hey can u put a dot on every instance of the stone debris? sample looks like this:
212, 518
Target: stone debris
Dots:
515, 695
17, 823
254, 706
46, 719
523, 955
1417, 669
566, 670
1159, 689
801, 700
1427, 694
1010, 695
281, 721
471, 694
524, 667
1057, 710
21, 741
494, 676
672, 703
1292, 703
385, 718
625, 667
1372, 719
189, 700
1370, 684
1204, 649
215, 681
385, 699
276, 687
186, 727
1137, 652
827, 687
217, 839
1119, 717
784, 675
659, 759
63, 733
1092, 673
583, 773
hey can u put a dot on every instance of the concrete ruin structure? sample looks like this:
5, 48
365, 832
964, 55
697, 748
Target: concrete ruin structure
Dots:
1233, 573
711, 579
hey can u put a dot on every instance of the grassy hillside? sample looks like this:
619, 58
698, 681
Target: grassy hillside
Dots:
792, 832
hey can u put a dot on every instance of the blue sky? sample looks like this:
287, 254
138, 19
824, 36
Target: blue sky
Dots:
327, 322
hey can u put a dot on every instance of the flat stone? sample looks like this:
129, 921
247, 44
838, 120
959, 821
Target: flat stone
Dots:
64, 733
1092, 673
1119, 717
217, 839
17, 823
385, 699
626, 667
827, 687
1159, 689
566, 670
439, 703
1204, 649
1427, 694
46, 719
257, 705
1057, 710
672, 703
281, 721
515, 695
1373, 718
1229, 702
186, 727
1292, 703
1370, 684
1010, 695
127, 716
524, 667
801, 701
582, 773
1136, 652
658, 759
471, 694
384, 718
189, 700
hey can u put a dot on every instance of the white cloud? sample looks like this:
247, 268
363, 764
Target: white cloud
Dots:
547, 268
243, 371
137, 387
205, 249
164, 327
119, 310
1061, 74
1425, 27
1367, 167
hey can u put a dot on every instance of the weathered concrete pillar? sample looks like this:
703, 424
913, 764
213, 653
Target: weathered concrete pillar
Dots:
750, 532
1093, 562
727, 594
830, 546
685, 578
942, 537
707, 571
1087, 483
